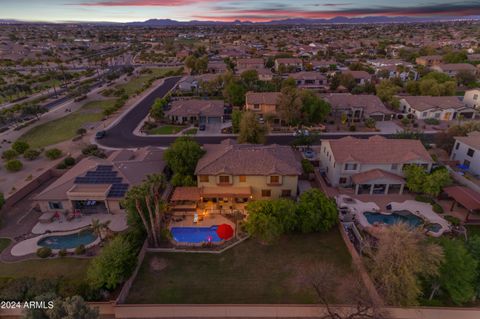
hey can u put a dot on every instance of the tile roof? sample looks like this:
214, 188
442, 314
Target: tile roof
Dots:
262, 97
423, 103
307, 75
378, 150
472, 139
375, 174
248, 159
195, 107
370, 103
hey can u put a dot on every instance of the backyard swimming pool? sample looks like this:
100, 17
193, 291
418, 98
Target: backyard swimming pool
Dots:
393, 218
195, 234
84, 237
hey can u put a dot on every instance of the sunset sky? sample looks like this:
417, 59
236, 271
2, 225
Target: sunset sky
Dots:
226, 10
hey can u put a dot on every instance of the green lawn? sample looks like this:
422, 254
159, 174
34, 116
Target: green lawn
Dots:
4, 242
248, 273
137, 83
65, 128
70, 268
166, 129
192, 131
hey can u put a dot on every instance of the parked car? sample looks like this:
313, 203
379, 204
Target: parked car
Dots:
100, 135
301, 133
309, 153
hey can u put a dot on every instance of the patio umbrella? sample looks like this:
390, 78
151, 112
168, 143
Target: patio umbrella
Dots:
225, 231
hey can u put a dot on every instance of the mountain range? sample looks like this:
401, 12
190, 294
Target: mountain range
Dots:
293, 21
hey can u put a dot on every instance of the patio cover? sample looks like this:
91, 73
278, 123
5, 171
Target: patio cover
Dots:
226, 191
375, 175
464, 196
186, 194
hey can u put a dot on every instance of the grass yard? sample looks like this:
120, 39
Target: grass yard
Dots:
4, 242
192, 131
65, 128
166, 129
70, 268
138, 82
248, 273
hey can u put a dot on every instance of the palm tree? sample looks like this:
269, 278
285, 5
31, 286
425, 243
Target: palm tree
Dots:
98, 227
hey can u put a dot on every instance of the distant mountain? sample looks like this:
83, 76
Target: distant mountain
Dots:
299, 21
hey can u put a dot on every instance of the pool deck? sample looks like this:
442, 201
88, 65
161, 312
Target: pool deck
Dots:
208, 220
118, 222
30, 246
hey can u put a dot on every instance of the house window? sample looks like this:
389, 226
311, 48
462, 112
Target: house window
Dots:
55, 205
466, 163
286, 192
274, 179
457, 146
224, 179
424, 114
350, 167
256, 106
470, 152
342, 180
394, 167
242, 178
266, 193
204, 178
437, 115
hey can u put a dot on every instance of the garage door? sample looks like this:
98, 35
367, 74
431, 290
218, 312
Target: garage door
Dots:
213, 120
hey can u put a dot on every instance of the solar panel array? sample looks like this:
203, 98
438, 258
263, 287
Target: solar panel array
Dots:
104, 174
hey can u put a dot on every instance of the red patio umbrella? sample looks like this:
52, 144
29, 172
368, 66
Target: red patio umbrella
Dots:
225, 231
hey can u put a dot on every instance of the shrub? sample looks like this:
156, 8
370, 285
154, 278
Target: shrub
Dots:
432, 121
81, 131
31, 154
63, 252
9, 154
93, 150
424, 199
20, 147
80, 250
44, 252
53, 153
13, 165
452, 219
370, 122
437, 208
61, 165
352, 128
69, 161
405, 121
307, 166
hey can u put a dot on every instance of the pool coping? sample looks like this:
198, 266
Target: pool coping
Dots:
31, 246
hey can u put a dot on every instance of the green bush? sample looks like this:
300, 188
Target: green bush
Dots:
424, 199
63, 252
307, 166
31, 154
13, 165
61, 165
9, 154
352, 128
20, 147
53, 153
452, 219
437, 208
44, 252
370, 122
69, 161
80, 250
432, 121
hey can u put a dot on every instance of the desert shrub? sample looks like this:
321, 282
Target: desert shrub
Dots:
9, 154
69, 161
31, 154
80, 250
63, 252
20, 147
53, 153
44, 252
13, 165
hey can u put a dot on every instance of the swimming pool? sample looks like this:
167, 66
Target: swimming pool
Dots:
84, 237
393, 218
195, 234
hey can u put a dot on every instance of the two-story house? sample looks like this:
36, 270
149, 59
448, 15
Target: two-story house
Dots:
467, 151
310, 80
262, 103
444, 108
371, 166
231, 173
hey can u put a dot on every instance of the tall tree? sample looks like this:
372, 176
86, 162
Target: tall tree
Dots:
251, 131
289, 105
403, 257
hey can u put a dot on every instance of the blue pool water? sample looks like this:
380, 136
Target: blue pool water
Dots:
393, 218
68, 241
195, 234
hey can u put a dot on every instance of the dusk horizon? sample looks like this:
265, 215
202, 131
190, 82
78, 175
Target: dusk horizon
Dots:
227, 10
